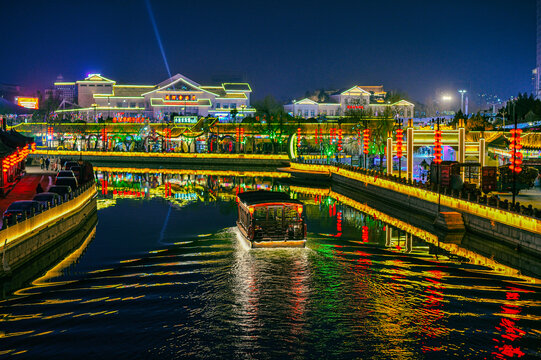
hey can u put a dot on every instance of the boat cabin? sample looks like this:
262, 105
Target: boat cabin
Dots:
271, 219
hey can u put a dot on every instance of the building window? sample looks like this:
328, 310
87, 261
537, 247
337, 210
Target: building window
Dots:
305, 113
132, 105
217, 105
299, 113
233, 106
118, 104
312, 113
226, 106
331, 112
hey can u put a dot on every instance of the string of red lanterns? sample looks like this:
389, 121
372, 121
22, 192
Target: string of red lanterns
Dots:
516, 155
366, 140
399, 142
437, 147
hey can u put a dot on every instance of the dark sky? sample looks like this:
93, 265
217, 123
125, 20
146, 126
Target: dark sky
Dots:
282, 47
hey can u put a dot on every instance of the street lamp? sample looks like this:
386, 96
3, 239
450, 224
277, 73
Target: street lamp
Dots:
446, 99
462, 92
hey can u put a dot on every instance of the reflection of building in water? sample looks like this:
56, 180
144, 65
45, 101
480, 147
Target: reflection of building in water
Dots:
181, 186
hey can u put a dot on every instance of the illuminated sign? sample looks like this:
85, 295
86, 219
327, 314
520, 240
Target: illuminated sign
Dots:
185, 119
28, 102
180, 97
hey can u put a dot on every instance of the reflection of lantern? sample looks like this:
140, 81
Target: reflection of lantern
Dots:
366, 140
437, 147
399, 139
316, 131
364, 233
516, 155
298, 138
339, 139
241, 134
237, 134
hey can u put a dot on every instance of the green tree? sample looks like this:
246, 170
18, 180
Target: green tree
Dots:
379, 129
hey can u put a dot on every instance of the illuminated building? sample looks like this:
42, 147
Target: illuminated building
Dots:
14, 148
367, 98
99, 96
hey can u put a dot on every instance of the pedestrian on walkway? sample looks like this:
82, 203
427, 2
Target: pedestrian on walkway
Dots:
39, 189
47, 163
41, 162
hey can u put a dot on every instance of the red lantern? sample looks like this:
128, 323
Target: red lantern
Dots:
516, 155
437, 147
298, 138
366, 140
399, 140
339, 139
316, 131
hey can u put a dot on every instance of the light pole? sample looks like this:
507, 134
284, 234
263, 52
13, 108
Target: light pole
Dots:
462, 92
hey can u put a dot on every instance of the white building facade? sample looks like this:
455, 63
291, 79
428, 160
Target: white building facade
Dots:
102, 97
367, 98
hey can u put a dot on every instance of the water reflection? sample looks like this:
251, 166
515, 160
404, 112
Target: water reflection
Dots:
176, 282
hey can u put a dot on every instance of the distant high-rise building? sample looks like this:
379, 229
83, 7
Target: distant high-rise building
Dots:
537, 71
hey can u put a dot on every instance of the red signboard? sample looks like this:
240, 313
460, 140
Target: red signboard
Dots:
489, 178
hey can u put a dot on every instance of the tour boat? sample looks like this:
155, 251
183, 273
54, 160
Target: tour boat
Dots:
269, 219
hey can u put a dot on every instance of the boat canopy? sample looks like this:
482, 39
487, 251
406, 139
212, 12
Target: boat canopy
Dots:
262, 197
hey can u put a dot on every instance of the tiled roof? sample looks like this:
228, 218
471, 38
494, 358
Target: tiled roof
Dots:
234, 96
218, 90
131, 91
236, 87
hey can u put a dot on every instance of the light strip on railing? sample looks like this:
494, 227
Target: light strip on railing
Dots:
487, 212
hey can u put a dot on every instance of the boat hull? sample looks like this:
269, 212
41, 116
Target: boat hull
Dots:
262, 244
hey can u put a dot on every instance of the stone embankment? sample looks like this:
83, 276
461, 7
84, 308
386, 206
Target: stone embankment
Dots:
520, 227
21, 243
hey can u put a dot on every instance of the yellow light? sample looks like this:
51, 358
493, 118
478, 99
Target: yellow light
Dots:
162, 155
487, 212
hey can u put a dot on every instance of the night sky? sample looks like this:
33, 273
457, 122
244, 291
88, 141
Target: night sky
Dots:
281, 47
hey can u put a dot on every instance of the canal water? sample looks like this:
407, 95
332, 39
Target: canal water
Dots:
169, 277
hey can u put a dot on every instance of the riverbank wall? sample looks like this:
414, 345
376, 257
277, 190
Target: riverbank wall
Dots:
520, 231
171, 160
35, 238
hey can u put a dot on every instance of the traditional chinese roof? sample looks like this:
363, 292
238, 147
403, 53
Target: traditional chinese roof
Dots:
131, 91
7, 107
236, 87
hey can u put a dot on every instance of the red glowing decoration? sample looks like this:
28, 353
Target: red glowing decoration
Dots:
316, 137
366, 140
298, 138
437, 147
364, 233
399, 141
339, 139
516, 155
